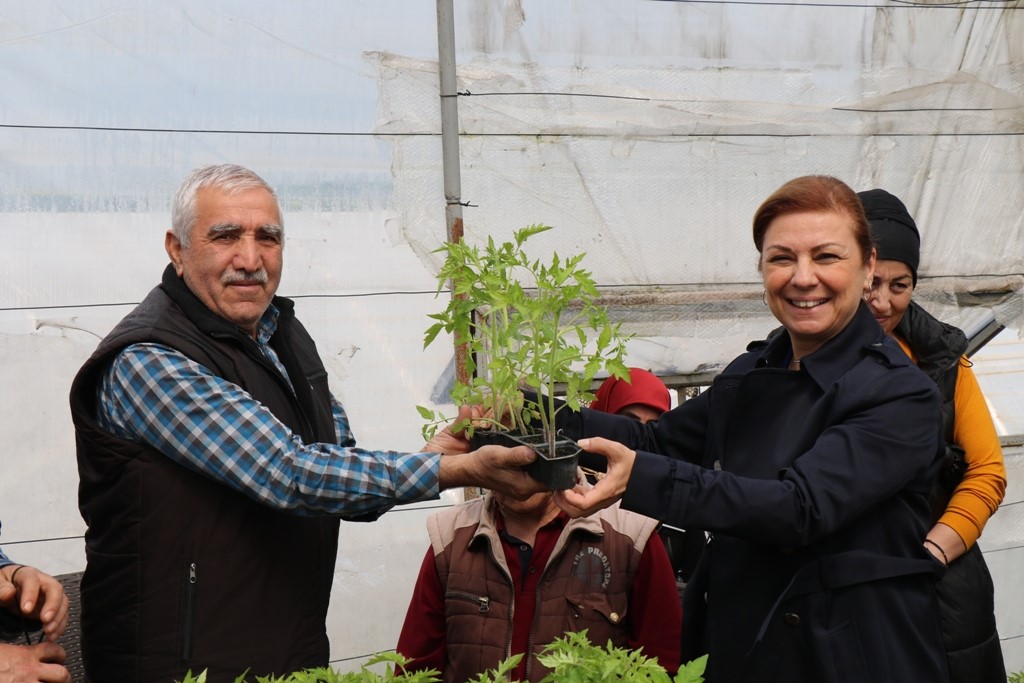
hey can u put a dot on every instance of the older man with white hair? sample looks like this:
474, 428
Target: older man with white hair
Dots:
214, 462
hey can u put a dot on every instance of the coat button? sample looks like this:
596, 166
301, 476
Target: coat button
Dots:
614, 617
791, 618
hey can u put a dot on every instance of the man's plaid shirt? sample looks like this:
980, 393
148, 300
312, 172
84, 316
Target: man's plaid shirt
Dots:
155, 395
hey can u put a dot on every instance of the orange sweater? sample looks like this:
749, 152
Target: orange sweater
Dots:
984, 482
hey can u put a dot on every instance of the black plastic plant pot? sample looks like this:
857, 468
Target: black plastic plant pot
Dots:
492, 437
556, 471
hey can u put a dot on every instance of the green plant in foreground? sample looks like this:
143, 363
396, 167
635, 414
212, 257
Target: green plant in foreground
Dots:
571, 658
1017, 677
328, 675
526, 324
574, 659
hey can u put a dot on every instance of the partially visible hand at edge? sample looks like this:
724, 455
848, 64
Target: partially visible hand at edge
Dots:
40, 663
35, 595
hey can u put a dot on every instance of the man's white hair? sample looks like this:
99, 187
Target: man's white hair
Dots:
228, 178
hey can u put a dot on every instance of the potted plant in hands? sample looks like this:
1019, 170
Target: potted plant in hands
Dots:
528, 326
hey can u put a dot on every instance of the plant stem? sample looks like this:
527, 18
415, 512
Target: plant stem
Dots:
549, 425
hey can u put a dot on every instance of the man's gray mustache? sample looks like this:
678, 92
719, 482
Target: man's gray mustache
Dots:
258, 277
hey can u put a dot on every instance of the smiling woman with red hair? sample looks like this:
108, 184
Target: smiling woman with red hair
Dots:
809, 460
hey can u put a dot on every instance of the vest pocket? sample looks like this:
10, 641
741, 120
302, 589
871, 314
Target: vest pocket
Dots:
188, 617
482, 602
603, 615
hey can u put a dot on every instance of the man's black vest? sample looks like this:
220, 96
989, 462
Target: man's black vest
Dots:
182, 571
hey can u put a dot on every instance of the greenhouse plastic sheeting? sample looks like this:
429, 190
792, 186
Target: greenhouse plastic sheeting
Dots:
646, 132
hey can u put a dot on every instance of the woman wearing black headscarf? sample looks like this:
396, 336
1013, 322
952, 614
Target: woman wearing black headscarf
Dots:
972, 480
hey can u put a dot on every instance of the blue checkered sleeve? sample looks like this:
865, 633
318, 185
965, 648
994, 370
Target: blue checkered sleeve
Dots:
155, 395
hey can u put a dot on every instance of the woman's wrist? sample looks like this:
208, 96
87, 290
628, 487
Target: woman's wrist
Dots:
930, 544
947, 538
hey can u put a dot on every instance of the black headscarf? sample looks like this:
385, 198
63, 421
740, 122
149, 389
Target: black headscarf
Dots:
893, 230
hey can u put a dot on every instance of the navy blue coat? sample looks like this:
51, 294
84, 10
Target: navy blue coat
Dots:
814, 487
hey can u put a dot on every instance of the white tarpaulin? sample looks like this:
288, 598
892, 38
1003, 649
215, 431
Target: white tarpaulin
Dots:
647, 132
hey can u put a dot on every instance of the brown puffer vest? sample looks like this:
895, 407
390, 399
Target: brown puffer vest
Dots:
585, 585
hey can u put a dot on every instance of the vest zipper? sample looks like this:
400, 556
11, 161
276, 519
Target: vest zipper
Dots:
512, 598
555, 556
190, 601
483, 602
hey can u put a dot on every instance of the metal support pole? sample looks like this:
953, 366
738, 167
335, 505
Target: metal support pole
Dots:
450, 144
449, 119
